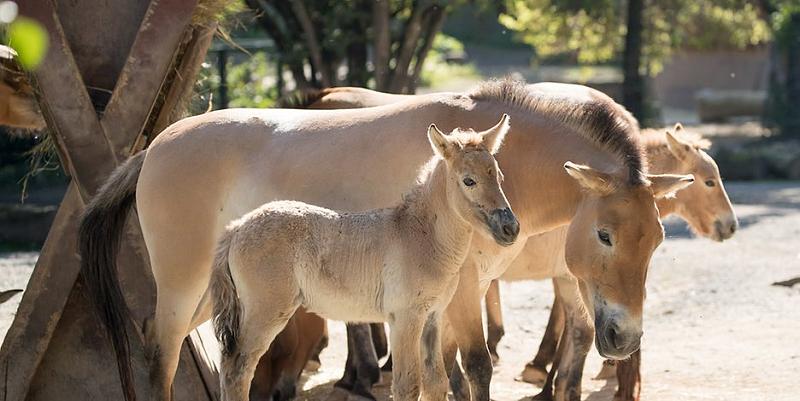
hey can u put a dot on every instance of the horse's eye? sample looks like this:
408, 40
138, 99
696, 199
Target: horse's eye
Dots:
469, 182
710, 183
604, 237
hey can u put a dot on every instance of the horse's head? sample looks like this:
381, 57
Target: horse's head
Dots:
704, 204
474, 179
610, 241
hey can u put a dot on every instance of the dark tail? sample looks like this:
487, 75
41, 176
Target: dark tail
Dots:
227, 308
301, 99
99, 240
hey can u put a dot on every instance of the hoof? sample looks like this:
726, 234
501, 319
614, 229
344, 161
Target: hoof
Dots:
608, 371
385, 381
495, 358
359, 397
534, 375
312, 366
338, 394
543, 396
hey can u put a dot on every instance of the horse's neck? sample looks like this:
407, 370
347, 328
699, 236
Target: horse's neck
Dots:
429, 206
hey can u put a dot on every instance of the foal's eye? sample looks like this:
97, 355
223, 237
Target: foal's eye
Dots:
604, 237
710, 183
469, 182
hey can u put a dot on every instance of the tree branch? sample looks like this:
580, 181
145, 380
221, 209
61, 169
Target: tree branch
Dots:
310, 35
434, 21
380, 28
406, 51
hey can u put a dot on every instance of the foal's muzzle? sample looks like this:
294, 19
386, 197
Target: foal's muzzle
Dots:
613, 341
504, 226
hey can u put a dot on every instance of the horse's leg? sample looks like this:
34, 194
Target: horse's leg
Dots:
535, 372
629, 378
273, 363
178, 297
261, 322
434, 375
547, 387
361, 368
464, 314
494, 319
406, 333
314, 363
310, 328
577, 340
379, 340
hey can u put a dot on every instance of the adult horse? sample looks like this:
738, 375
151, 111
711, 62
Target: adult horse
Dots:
705, 205
204, 171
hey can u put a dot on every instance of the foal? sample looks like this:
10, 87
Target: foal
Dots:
398, 265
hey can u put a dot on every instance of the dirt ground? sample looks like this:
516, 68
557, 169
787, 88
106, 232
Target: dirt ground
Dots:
715, 326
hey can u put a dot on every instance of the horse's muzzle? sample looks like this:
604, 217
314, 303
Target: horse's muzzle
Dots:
504, 226
725, 229
612, 341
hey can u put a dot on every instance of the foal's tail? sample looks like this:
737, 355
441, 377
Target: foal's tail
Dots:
99, 239
227, 308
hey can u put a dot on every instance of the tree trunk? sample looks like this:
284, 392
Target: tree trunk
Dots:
412, 32
310, 35
633, 84
380, 33
791, 126
433, 24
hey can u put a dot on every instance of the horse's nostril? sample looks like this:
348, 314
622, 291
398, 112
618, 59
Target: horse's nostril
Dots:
613, 337
733, 228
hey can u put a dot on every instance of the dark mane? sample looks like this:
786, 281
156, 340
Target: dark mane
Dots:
604, 123
301, 99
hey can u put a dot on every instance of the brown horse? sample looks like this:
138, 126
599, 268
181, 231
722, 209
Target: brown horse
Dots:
204, 171
18, 107
704, 205
281, 366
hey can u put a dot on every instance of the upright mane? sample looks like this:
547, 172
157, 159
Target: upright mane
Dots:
655, 140
603, 123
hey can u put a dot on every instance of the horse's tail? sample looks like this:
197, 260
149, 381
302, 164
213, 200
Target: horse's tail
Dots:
227, 308
99, 240
302, 99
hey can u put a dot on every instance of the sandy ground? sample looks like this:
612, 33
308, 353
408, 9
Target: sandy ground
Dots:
715, 327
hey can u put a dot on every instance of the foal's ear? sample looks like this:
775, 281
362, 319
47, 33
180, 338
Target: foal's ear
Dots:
493, 137
439, 141
590, 179
678, 147
665, 185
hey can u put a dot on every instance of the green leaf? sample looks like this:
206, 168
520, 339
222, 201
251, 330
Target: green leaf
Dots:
30, 40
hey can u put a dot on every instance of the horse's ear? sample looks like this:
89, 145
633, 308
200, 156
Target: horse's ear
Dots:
493, 137
590, 179
665, 185
439, 142
678, 147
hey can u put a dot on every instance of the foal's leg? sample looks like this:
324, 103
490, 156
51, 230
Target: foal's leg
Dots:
464, 314
434, 375
577, 341
406, 333
535, 371
494, 319
261, 322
